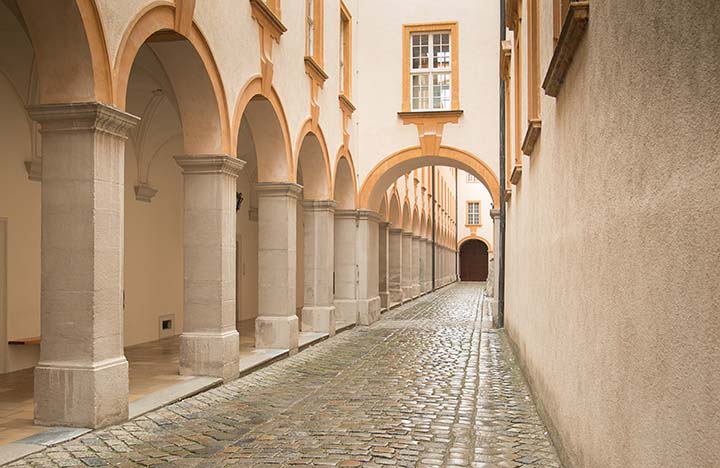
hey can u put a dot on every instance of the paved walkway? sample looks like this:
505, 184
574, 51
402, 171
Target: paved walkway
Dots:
422, 387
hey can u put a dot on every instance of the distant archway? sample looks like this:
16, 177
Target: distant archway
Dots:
394, 166
473, 260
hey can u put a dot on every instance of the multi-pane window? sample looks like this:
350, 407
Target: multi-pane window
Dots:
473, 213
430, 71
471, 178
345, 51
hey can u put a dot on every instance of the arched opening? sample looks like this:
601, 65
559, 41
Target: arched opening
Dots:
473, 260
345, 244
313, 234
396, 165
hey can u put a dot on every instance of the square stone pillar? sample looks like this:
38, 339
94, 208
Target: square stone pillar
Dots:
367, 248
346, 279
209, 343
407, 266
277, 323
318, 313
415, 266
395, 265
81, 379
383, 264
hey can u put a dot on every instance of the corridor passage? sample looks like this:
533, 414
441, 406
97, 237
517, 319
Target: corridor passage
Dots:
424, 386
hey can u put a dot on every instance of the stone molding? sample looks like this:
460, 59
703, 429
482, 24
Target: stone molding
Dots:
278, 189
573, 30
346, 214
495, 213
395, 230
83, 117
368, 215
210, 164
319, 205
34, 170
407, 234
144, 192
414, 237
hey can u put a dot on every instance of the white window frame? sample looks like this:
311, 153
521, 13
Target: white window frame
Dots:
468, 214
431, 71
342, 54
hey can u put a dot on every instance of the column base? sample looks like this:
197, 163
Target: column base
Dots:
384, 299
346, 310
416, 290
396, 296
319, 319
210, 354
368, 310
277, 333
407, 293
82, 396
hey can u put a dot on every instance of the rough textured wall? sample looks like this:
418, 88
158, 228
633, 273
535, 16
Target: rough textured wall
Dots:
614, 240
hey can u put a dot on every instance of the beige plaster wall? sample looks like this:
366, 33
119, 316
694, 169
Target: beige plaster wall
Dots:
379, 84
154, 248
613, 246
474, 191
20, 205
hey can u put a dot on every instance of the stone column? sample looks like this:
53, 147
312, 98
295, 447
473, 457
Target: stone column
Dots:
277, 323
407, 266
383, 264
367, 263
209, 343
318, 313
346, 307
421, 265
415, 243
81, 378
395, 265
495, 215
428, 263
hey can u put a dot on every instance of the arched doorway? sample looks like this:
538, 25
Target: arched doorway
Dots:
473, 261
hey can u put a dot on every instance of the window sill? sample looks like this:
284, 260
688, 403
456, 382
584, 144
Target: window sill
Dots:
473, 225
431, 114
531, 136
267, 18
508, 194
346, 104
572, 32
315, 71
516, 174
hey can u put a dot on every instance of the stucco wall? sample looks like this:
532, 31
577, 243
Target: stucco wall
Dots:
474, 191
613, 246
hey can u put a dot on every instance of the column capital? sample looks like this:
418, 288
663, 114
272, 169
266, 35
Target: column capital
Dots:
384, 224
416, 237
346, 214
278, 189
395, 230
319, 205
368, 215
495, 213
210, 164
82, 117
407, 233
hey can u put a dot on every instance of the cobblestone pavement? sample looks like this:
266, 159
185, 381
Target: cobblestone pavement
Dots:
422, 387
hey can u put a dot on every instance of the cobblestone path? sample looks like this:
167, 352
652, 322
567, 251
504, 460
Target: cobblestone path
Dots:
425, 386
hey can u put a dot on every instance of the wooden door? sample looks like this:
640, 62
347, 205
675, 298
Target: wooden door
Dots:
473, 261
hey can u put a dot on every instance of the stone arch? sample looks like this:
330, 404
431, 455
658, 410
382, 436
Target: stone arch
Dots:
265, 115
311, 159
192, 71
406, 216
69, 44
383, 208
345, 186
394, 211
475, 237
397, 164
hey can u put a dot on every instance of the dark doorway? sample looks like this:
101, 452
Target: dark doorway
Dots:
473, 261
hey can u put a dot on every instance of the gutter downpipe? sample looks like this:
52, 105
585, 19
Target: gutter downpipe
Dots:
501, 241
432, 207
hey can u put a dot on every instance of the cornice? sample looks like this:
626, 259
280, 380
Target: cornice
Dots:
278, 189
315, 71
210, 164
82, 116
572, 32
